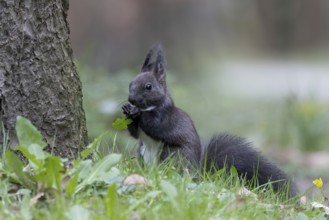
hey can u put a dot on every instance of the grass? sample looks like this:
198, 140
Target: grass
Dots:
95, 187
102, 184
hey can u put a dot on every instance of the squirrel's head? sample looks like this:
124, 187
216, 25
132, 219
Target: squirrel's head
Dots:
148, 90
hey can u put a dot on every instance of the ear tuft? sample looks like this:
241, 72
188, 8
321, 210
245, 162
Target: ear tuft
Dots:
159, 70
147, 66
155, 64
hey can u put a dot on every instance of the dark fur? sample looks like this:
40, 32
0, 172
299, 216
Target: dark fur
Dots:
174, 128
226, 150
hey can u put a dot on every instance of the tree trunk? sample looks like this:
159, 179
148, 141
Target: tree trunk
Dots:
38, 79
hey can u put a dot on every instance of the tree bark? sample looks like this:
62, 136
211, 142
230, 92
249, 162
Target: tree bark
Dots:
38, 79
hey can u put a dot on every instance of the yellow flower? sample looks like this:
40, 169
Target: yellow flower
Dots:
318, 183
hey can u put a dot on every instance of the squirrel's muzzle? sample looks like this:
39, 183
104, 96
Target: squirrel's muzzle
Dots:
134, 101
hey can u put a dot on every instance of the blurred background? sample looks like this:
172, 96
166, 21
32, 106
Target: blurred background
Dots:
255, 68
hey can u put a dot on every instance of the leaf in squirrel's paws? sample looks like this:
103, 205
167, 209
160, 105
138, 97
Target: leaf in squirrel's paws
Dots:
121, 123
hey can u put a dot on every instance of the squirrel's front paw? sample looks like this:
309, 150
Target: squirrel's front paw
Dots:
130, 110
126, 109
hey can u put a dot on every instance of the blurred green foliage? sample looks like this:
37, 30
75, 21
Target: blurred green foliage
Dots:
103, 95
303, 124
288, 122
310, 120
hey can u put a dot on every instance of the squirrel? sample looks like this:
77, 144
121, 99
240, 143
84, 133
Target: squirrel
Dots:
165, 130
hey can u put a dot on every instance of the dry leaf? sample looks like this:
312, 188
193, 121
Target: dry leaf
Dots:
64, 181
135, 216
36, 198
303, 200
137, 180
324, 208
238, 203
245, 192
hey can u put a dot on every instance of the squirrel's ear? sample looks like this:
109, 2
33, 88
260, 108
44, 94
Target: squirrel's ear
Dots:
147, 66
159, 70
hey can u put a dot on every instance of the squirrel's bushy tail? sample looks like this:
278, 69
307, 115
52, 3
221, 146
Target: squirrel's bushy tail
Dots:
226, 150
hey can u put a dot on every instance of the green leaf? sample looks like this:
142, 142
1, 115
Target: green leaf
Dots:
149, 195
52, 174
14, 164
23, 192
25, 207
35, 162
234, 172
78, 212
37, 151
28, 134
168, 188
100, 170
111, 176
302, 216
111, 202
72, 184
84, 168
14, 168
121, 123
95, 144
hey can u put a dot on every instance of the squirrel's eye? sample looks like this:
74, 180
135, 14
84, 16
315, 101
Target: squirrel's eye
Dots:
148, 86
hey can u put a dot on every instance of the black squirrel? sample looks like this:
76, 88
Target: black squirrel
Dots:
165, 130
